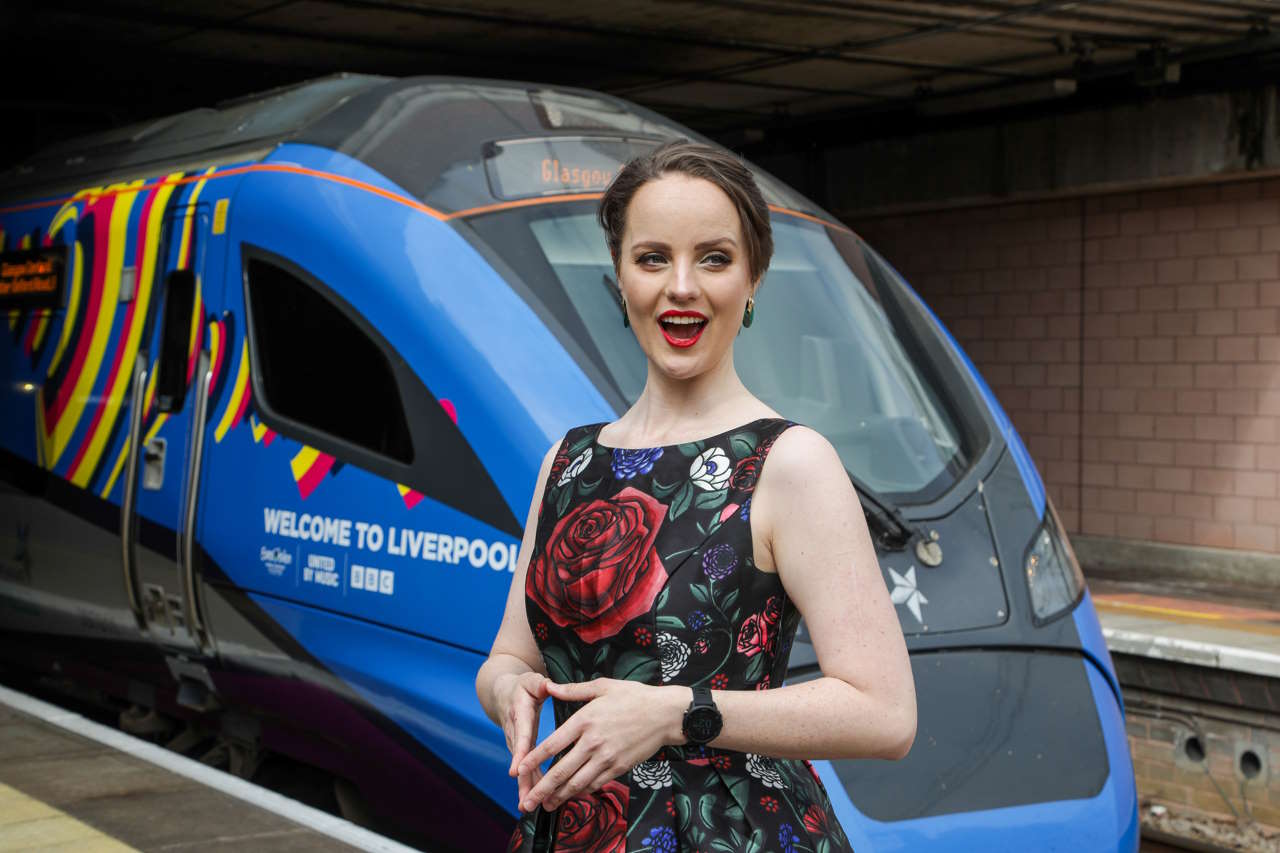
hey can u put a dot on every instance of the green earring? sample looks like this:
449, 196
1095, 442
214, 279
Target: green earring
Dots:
749, 314
626, 318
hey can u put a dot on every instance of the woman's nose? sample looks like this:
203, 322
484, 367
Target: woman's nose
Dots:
683, 284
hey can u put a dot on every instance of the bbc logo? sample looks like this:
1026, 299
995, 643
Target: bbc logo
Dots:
373, 580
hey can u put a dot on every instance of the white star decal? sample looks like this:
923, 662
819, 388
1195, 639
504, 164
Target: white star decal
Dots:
905, 592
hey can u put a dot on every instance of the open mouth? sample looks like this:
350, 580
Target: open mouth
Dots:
682, 331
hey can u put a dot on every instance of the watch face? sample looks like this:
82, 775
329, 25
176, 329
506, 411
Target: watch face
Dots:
702, 724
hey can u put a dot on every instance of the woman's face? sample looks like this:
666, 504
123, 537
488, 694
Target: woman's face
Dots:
682, 257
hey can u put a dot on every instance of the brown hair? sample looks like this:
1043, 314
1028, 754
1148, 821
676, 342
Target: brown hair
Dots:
721, 168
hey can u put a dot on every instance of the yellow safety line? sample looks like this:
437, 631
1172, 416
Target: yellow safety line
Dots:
29, 824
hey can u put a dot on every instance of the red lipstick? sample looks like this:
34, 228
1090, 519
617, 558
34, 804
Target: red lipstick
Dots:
682, 334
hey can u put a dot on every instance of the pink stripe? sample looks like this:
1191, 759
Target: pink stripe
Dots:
314, 475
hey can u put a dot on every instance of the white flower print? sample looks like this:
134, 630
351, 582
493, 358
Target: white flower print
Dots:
576, 467
710, 471
652, 774
673, 653
761, 767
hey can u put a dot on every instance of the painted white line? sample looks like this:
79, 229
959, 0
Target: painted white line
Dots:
315, 819
1196, 652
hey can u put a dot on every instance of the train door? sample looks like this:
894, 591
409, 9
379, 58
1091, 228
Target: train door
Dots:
168, 417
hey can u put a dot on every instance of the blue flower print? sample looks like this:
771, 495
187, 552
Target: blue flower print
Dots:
746, 509
661, 838
628, 463
787, 838
719, 562
698, 620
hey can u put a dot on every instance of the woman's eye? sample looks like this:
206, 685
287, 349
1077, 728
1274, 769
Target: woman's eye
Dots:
650, 258
718, 259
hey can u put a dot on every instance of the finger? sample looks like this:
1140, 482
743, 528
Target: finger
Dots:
559, 773
527, 781
577, 691
556, 741
525, 728
576, 784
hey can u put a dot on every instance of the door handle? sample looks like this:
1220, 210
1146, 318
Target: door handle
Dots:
130, 487
191, 604
153, 464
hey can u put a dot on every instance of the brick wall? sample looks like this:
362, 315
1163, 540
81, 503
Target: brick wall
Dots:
1133, 339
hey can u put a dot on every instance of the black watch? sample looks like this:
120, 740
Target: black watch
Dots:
702, 718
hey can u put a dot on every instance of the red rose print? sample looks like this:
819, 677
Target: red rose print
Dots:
516, 839
599, 569
756, 635
770, 804
815, 820
595, 822
745, 473
719, 681
558, 464
813, 772
764, 683
772, 609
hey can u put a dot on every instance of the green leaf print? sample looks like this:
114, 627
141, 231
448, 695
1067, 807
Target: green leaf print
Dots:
562, 501
636, 666
734, 835
700, 592
662, 598
585, 488
661, 491
739, 788
683, 811
756, 842
557, 664
743, 443
711, 500
707, 810
824, 846
733, 813
666, 621
691, 449
724, 846
681, 501
755, 669
581, 444
601, 655
729, 598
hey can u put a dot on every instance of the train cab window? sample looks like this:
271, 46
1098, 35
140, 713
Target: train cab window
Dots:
318, 368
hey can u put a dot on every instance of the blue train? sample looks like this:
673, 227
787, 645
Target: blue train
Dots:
277, 378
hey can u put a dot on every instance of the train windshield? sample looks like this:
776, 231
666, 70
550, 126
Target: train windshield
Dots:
838, 342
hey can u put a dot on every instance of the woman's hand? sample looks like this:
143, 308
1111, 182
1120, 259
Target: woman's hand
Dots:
521, 703
622, 724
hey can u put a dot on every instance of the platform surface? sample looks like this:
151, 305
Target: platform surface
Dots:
61, 790
1222, 628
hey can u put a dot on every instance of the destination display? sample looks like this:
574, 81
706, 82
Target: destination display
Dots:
32, 278
524, 168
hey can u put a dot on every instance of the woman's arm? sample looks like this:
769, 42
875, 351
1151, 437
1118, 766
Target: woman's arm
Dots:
864, 705
512, 683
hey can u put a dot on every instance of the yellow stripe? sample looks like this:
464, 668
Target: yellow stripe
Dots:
43, 326
1151, 608
196, 308
69, 316
259, 429
80, 395
241, 388
118, 385
29, 824
186, 221
303, 461
124, 448
68, 213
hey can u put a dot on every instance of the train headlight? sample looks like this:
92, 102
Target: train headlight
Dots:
1053, 573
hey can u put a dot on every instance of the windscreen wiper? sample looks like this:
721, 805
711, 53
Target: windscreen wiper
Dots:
891, 530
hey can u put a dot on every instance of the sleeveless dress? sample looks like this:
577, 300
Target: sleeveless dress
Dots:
642, 569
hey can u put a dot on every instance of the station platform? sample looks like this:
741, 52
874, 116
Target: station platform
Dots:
68, 783
1237, 630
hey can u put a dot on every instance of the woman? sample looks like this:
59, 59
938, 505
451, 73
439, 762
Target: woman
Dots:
665, 568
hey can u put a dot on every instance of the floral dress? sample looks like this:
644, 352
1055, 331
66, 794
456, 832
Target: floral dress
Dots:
642, 569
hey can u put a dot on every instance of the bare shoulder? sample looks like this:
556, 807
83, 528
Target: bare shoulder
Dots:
801, 455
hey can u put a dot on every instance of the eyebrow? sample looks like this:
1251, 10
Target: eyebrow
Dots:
705, 244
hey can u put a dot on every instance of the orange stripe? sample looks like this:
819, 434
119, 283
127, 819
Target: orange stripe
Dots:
389, 195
